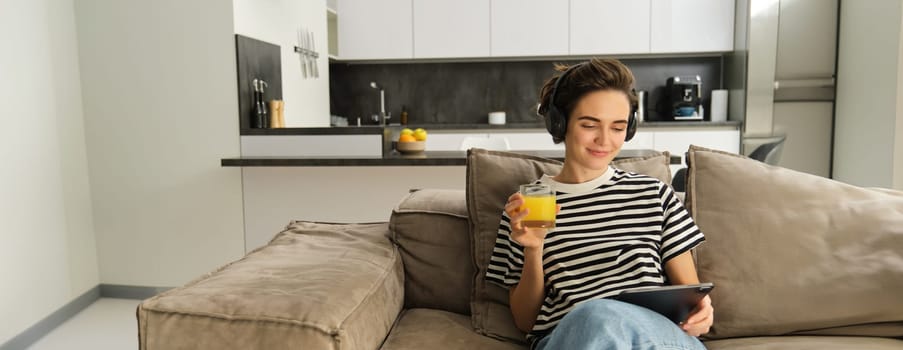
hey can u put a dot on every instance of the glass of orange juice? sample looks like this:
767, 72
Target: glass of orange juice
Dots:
540, 199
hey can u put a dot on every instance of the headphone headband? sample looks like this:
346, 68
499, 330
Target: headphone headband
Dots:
558, 81
556, 120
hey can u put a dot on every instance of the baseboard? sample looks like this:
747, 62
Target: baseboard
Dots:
49, 323
129, 292
44, 326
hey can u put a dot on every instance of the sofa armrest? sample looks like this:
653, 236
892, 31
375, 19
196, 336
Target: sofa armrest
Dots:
431, 229
314, 286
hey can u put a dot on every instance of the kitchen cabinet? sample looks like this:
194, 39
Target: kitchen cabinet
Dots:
449, 141
370, 29
529, 141
641, 140
430, 29
312, 145
609, 27
692, 26
678, 141
450, 28
674, 140
529, 28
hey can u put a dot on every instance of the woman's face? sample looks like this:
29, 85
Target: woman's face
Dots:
596, 129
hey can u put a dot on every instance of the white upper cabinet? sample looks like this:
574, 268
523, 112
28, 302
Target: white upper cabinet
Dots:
529, 28
369, 29
406, 29
692, 26
448, 28
609, 27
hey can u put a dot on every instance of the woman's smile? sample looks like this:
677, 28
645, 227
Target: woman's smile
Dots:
598, 153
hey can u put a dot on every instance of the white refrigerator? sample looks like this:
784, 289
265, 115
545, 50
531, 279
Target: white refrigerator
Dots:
782, 80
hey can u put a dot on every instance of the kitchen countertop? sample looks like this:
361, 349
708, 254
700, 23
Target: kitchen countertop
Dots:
429, 158
379, 130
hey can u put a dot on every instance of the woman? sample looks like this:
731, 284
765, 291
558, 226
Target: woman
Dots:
614, 231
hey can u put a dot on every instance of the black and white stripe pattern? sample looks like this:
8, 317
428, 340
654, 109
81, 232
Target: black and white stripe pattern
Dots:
612, 235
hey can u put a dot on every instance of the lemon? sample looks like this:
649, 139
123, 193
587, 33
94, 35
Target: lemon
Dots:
420, 134
407, 131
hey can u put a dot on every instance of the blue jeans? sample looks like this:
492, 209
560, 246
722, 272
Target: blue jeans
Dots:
611, 324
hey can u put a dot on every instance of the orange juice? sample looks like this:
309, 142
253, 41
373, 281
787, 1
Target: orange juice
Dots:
540, 200
542, 211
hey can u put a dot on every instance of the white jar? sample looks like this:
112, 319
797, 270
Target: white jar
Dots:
497, 118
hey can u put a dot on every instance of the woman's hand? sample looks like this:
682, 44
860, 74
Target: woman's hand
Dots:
527, 237
701, 318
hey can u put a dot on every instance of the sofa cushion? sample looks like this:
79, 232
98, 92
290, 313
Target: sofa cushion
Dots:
792, 252
419, 329
805, 343
314, 286
433, 235
492, 176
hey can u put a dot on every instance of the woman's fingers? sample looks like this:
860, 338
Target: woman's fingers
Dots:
698, 328
702, 310
514, 202
517, 217
702, 318
512, 206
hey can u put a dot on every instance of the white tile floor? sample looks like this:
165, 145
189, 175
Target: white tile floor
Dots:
107, 324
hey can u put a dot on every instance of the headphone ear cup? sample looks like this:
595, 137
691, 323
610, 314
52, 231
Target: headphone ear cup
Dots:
556, 124
631, 126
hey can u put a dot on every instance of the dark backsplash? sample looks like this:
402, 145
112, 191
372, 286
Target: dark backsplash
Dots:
463, 93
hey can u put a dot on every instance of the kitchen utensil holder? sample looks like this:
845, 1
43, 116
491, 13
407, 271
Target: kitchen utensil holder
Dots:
306, 52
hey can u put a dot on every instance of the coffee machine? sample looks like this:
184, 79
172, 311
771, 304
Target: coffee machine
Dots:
683, 95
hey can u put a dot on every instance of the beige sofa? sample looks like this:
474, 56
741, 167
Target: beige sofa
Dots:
799, 262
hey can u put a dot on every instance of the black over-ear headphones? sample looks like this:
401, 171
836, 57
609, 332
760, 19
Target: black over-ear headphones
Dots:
557, 122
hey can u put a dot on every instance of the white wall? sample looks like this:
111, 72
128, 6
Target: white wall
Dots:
898, 143
276, 22
47, 244
867, 119
158, 79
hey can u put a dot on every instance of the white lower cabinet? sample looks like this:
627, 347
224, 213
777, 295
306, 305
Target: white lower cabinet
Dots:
641, 140
513, 141
677, 142
536, 141
449, 141
311, 145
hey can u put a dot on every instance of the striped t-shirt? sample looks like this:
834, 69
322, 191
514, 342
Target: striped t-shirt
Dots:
613, 233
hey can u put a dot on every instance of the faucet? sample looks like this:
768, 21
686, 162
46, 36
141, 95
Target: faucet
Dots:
383, 117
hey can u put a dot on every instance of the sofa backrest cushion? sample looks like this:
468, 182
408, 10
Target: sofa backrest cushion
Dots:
432, 233
492, 176
791, 252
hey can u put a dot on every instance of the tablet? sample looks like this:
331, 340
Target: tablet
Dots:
674, 302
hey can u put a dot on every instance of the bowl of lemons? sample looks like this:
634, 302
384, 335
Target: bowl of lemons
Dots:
411, 141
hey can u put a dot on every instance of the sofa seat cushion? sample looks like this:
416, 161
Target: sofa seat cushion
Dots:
430, 329
805, 343
791, 252
492, 176
314, 286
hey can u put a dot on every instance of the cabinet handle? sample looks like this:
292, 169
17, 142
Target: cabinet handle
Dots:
803, 83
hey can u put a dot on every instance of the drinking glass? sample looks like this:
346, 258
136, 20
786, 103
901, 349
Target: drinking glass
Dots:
540, 199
